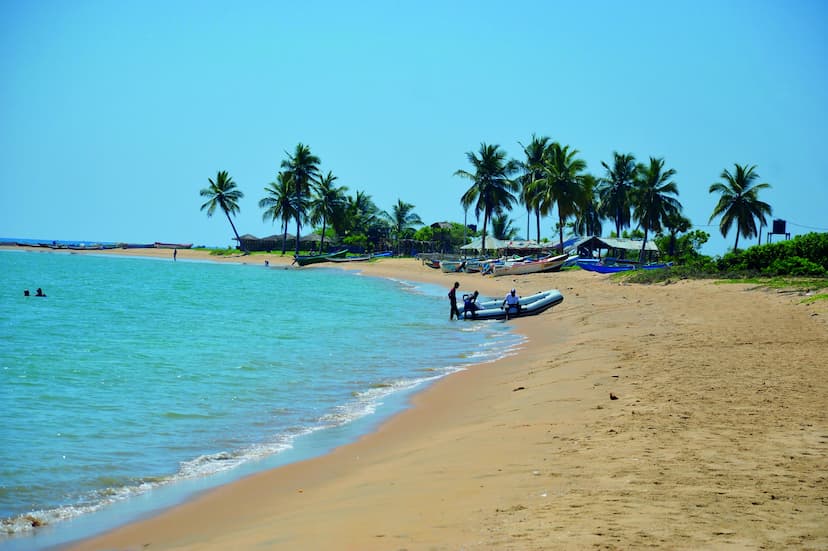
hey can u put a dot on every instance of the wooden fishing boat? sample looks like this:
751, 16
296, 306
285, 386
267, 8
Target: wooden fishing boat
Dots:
524, 267
305, 260
160, 245
616, 268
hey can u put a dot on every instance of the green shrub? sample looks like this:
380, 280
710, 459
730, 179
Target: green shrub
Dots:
795, 266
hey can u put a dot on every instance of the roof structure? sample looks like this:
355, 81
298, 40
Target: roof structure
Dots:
613, 243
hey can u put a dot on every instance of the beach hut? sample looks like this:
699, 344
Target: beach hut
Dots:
620, 248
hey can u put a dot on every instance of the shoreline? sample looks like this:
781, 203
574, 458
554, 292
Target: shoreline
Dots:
718, 436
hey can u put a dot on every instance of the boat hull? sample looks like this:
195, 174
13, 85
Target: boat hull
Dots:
530, 306
306, 260
616, 268
533, 267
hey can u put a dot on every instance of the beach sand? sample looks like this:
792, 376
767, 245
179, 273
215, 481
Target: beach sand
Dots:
718, 437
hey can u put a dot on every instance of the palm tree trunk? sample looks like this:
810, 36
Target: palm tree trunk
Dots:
560, 230
643, 247
284, 236
537, 222
528, 222
736, 246
322, 242
483, 242
298, 228
232, 225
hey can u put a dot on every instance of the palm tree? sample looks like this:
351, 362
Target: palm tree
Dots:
676, 223
533, 171
402, 218
653, 198
562, 184
491, 190
329, 199
224, 194
303, 167
278, 202
502, 227
615, 189
588, 218
739, 202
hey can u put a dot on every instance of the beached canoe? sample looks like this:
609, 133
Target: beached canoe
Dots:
529, 306
160, 245
616, 268
530, 267
305, 260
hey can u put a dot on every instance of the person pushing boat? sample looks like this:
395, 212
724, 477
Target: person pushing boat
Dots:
511, 303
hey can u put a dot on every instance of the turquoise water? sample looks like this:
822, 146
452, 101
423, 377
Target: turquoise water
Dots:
135, 375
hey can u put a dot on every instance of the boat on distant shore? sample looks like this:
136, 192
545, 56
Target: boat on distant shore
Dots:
524, 267
363, 258
159, 245
616, 268
529, 306
305, 260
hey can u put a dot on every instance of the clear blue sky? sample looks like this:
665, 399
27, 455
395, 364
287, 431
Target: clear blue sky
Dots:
113, 114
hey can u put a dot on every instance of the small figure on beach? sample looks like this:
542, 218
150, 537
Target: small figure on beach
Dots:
40, 293
175, 254
267, 263
511, 303
25, 292
470, 304
452, 295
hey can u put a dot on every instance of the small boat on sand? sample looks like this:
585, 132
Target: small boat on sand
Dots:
529, 306
305, 260
549, 264
616, 268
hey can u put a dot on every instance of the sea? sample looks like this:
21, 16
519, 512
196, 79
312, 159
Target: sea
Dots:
138, 382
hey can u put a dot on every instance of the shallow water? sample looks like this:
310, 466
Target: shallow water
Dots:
137, 374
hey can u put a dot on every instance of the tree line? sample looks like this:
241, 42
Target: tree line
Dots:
302, 194
550, 178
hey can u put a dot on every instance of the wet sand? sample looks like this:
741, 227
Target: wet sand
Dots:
717, 438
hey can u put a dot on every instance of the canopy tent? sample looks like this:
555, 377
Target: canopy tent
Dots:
492, 244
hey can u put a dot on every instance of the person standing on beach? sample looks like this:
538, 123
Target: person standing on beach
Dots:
452, 295
175, 254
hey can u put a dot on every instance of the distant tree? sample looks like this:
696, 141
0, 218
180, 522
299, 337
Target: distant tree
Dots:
532, 172
327, 201
562, 184
278, 203
614, 190
491, 189
303, 168
739, 202
403, 219
588, 218
653, 198
675, 223
223, 193
502, 227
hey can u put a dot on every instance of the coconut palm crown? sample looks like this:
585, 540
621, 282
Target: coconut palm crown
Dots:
491, 189
303, 168
222, 193
654, 198
329, 199
278, 203
739, 202
614, 190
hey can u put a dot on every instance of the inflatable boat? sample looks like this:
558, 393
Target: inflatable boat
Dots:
529, 306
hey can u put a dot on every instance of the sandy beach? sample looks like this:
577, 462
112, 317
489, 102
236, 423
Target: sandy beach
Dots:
687, 415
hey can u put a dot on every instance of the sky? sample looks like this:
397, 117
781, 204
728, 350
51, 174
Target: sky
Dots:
114, 114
